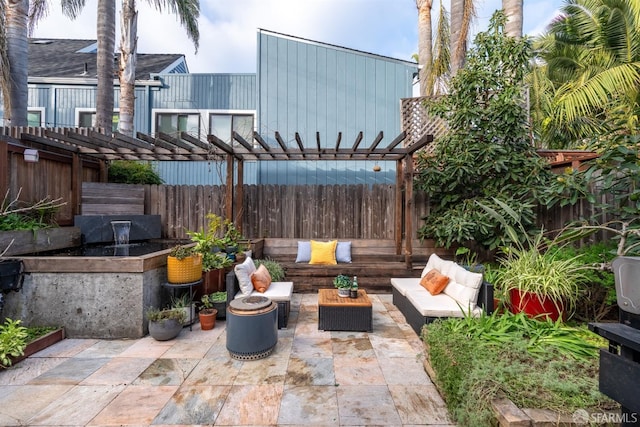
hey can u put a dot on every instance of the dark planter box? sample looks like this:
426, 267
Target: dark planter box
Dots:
40, 343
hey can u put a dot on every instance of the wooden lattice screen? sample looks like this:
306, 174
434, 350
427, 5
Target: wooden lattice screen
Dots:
416, 121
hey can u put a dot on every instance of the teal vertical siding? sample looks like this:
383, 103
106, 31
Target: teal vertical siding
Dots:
310, 87
206, 91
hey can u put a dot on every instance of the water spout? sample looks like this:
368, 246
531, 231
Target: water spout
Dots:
121, 232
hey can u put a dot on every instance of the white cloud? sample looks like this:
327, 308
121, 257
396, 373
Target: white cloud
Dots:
228, 30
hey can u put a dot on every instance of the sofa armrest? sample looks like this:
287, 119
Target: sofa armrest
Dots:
233, 286
485, 297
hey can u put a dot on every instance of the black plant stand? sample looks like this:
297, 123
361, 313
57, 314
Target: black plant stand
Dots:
190, 286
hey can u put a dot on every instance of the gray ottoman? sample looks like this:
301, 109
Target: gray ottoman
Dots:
252, 327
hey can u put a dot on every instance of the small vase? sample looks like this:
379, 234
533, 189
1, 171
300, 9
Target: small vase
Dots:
344, 292
207, 319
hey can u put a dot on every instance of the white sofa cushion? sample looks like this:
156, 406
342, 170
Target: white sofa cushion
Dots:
442, 265
406, 284
277, 291
440, 305
464, 286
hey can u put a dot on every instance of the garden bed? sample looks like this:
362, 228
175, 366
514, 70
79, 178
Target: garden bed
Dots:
487, 374
40, 343
41, 240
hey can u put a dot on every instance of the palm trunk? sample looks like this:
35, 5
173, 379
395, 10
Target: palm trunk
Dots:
17, 53
127, 73
106, 48
513, 10
425, 46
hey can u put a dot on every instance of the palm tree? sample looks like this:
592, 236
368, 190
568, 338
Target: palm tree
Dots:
425, 51
592, 58
17, 19
462, 13
513, 10
15, 63
187, 10
106, 37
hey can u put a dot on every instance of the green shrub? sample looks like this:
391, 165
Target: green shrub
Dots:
133, 172
276, 271
13, 340
597, 299
535, 364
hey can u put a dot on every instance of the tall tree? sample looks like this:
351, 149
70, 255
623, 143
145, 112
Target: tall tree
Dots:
592, 58
425, 43
513, 11
105, 64
462, 13
17, 20
188, 12
14, 85
106, 37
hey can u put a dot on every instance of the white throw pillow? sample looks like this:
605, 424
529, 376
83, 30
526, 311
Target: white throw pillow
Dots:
243, 273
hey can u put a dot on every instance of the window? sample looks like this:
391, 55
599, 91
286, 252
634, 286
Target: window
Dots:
173, 123
87, 119
222, 125
34, 118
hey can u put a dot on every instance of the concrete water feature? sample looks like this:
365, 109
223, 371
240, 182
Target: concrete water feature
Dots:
91, 296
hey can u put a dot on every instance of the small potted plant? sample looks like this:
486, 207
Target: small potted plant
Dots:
219, 300
165, 324
207, 313
184, 265
184, 303
343, 283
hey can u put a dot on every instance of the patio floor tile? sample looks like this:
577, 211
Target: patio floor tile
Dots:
313, 377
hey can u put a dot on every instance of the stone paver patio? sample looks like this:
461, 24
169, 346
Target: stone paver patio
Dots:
312, 378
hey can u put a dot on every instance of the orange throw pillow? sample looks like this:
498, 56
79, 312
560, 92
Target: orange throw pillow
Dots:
434, 282
261, 279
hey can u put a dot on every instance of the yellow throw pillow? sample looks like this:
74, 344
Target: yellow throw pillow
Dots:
323, 253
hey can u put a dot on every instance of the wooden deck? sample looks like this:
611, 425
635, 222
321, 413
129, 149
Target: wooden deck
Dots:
374, 262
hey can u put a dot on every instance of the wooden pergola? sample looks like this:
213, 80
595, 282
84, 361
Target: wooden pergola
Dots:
89, 145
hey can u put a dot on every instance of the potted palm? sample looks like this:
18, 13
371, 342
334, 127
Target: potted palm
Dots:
165, 324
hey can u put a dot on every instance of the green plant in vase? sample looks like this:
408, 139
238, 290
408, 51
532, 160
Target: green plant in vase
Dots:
343, 283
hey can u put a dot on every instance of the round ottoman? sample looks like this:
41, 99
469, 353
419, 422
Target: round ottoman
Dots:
252, 327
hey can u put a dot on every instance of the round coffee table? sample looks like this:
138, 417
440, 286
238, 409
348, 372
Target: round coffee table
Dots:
252, 327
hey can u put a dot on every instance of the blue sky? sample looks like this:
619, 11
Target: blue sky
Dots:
229, 28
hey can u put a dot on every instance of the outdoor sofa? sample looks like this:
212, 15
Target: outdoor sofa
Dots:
465, 293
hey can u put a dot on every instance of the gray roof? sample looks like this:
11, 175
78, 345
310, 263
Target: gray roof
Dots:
55, 58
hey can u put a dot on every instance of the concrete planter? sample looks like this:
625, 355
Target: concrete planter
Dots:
43, 240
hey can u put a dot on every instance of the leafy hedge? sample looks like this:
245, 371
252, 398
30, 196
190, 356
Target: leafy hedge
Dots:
536, 364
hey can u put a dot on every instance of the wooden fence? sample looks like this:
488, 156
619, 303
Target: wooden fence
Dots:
308, 211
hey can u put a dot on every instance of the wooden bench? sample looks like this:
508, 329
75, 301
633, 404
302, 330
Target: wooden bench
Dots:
373, 261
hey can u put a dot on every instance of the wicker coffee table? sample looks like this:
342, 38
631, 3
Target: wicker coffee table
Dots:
344, 314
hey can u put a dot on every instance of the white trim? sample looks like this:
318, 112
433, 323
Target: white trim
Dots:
179, 61
92, 48
79, 110
42, 111
75, 81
